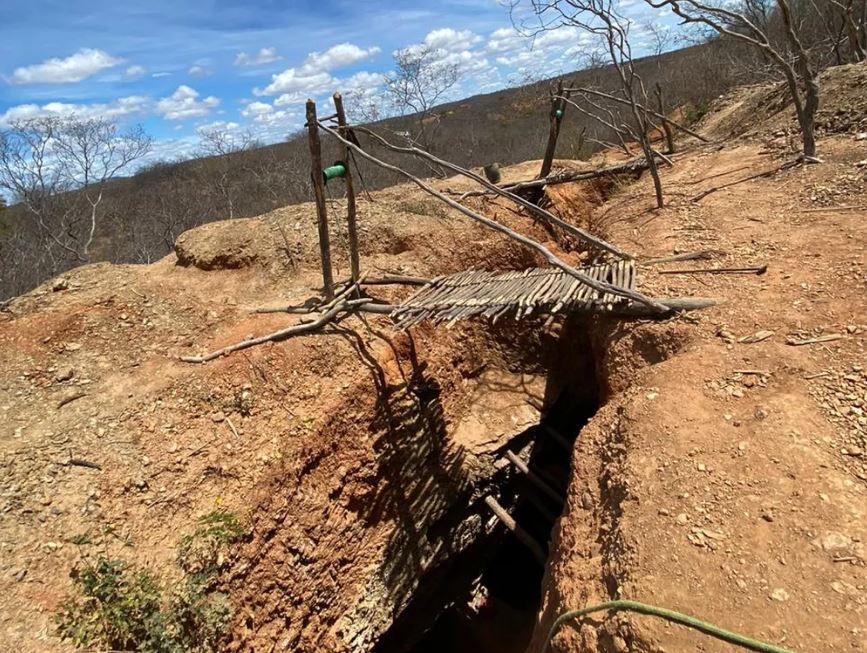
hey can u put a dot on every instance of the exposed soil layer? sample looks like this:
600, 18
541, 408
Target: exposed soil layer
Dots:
725, 474
356, 456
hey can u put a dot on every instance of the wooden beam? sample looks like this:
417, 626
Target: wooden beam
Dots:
319, 195
523, 536
534, 478
351, 223
636, 165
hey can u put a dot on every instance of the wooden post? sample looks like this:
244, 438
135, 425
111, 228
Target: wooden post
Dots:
558, 110
351, 222
319, 193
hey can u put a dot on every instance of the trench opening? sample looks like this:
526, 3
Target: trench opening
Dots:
488, 599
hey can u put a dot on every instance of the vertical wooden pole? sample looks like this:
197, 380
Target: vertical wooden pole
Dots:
558, 110
319, 193
351, 222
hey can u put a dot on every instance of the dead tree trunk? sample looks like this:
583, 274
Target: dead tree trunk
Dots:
669, 137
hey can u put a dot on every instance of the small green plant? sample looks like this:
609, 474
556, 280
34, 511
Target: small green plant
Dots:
81, 539
696, 112
117, 606
201, 554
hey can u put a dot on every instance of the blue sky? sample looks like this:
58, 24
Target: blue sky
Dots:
180, 66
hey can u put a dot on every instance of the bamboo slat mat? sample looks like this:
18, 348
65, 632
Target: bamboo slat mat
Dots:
546, 291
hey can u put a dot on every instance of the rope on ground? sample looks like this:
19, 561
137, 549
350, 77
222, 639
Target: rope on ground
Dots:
669, 615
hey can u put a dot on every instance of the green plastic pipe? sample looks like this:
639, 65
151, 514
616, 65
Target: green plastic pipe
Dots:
559, 113
670, 615
337, 169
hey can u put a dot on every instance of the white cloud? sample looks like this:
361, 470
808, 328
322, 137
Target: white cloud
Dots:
451, 40
118, 108
363, 81
265, 55
506, 39
133, 72
160, 74
267, 121
256, 109
74, 68
337, 56
218, 125
313, 76
184, 103
199, 71
298, 87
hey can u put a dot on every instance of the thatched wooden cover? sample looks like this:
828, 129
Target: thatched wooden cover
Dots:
492, 295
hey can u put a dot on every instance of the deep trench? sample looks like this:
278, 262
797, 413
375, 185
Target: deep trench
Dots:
490, 596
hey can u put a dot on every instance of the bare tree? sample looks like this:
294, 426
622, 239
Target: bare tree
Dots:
361, 108
421, 80
601, 19
58, 169
219, 149
845, 22
751, 23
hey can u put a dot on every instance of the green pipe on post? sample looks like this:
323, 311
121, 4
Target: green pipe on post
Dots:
336, 169
559, 113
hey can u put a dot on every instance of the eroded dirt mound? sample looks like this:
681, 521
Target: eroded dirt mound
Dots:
767, 109
228, 245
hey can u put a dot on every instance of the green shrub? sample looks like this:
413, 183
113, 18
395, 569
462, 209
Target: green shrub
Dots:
696, 112
119, 607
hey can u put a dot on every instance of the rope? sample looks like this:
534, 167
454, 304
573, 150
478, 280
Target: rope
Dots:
669, 615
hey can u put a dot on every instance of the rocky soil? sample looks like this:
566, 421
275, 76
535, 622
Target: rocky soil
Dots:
726, 476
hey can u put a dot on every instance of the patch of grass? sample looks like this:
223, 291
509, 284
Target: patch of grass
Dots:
116, 606
82, 539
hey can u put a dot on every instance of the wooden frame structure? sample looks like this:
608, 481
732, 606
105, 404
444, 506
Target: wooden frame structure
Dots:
604, 288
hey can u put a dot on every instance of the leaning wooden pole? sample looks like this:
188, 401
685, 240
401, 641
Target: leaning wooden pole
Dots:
558, 109
319, 194
656, 114
351, 218
523, 536
507, 191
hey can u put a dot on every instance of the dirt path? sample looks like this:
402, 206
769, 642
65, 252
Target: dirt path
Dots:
726, 479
